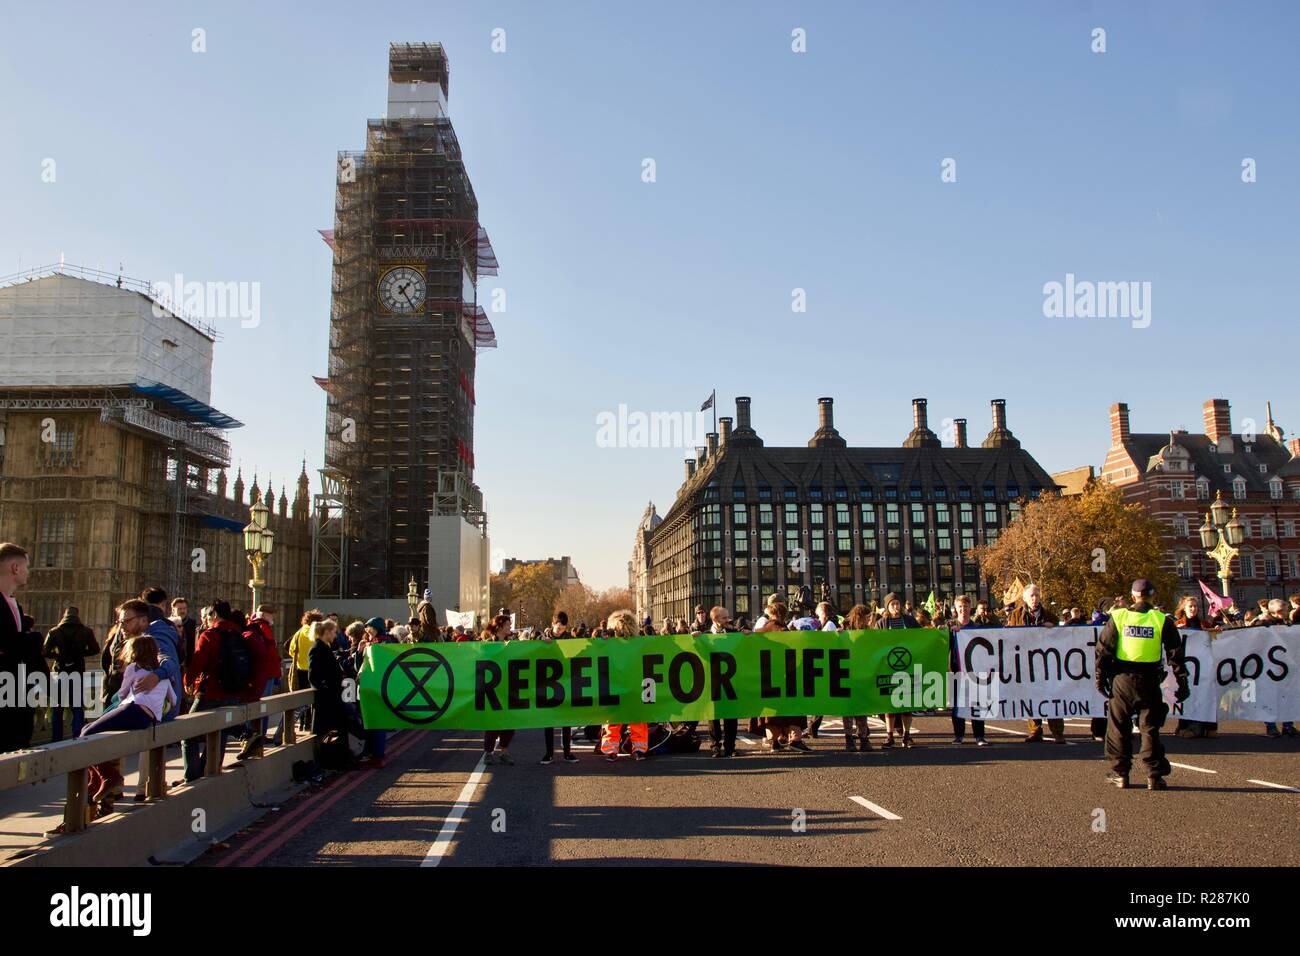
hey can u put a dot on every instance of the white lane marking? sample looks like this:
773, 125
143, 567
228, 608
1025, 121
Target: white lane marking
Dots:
448, 832
1187, 766
1003, 730
877, 810
1022, 733
1276, 786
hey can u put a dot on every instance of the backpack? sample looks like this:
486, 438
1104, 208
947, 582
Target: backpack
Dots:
235, 663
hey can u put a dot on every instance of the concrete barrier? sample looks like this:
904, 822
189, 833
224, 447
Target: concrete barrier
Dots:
167, 818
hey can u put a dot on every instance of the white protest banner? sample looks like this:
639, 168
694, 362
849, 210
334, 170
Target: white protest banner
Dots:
1203, 703
463, 619
1041, 672
1256, 674
1028, 672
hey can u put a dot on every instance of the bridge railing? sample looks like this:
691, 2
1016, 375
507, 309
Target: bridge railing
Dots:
72, 758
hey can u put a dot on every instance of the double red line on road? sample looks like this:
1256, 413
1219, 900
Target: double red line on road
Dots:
298, 819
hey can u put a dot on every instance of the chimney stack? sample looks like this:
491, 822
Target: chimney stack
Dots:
743, 433
1119, 433
1000, 436
690, 468
959, 440
826, 436
1293, 446
1218, 423
724, 432
701, 456
920, 435
742, 413
712, 438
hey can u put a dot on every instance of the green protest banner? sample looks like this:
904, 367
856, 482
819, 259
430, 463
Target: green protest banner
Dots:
522, 684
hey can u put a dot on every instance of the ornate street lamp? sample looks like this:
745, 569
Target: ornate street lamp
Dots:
412, 596
1220, 536
259, 540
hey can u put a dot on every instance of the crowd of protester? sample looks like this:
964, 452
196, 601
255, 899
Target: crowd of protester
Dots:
159, 660
791, 732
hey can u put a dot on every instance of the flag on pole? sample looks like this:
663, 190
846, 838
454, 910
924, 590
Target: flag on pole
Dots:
1014, 593
1216, 602
929, 604
708, 402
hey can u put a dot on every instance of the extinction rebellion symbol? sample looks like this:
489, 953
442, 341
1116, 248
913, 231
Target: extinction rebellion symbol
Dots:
899, 658
417, 685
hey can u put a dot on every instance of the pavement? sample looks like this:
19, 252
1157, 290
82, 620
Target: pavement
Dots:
1232, 801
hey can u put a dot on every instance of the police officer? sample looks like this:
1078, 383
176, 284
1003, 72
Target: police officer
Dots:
1129, 673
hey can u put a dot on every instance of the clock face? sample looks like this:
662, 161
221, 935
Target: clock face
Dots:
401, 290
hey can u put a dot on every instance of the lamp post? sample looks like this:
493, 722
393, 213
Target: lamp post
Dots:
258, 542
412, 596
1220, 536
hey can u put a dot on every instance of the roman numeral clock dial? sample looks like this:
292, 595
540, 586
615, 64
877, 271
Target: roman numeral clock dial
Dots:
401, 290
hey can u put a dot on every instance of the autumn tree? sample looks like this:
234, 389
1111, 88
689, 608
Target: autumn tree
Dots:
1079, 549
533, 592
501, 592
586, 605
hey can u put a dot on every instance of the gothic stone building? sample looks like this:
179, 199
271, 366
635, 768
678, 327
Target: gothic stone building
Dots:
751, 520
112, 462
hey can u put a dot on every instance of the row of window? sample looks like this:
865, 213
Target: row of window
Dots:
1268, 565
1178, 489
710, 516
1255, 527
870, 493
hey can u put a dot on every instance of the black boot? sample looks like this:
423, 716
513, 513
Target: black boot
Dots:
848, 743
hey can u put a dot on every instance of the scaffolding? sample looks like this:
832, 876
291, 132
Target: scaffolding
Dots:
399, 389
329, 553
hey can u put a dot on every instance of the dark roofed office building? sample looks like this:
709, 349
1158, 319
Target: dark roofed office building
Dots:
753, 520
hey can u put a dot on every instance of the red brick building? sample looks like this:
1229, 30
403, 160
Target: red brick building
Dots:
1175, 475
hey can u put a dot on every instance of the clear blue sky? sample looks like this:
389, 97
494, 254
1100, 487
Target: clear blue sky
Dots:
775, 170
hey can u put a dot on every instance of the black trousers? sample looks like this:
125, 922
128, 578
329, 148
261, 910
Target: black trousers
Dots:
723, 733
566, 740
1136, 694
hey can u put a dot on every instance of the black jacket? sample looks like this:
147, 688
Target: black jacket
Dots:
326, 678
18, 648
69, 643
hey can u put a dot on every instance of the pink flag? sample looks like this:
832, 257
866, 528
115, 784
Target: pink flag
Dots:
1216, 602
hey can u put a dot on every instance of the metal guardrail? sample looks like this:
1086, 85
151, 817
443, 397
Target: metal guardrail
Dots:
71, 758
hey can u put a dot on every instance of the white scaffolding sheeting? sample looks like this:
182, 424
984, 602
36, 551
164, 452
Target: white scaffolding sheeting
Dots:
67, 331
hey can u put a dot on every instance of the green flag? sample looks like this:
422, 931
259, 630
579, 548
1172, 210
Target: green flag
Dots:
678, 677
929, 604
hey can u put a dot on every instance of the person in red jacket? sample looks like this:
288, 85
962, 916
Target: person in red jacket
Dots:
203, 682
260, 635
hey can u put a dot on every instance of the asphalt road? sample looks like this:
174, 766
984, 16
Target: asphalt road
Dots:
1009, 803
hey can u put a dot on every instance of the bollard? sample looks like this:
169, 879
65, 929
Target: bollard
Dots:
212, 754
74, 811
155, 787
